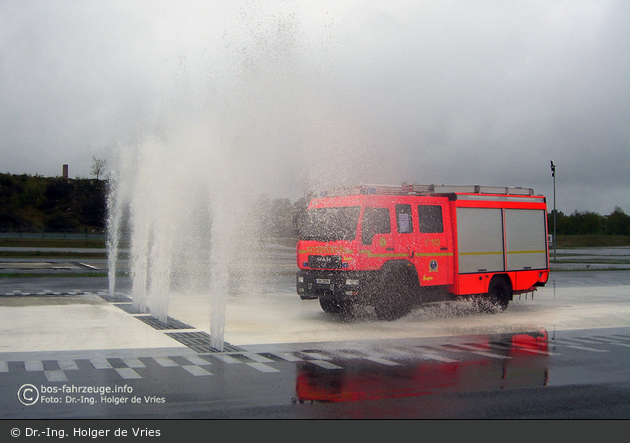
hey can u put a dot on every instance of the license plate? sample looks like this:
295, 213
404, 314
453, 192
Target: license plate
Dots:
323, 281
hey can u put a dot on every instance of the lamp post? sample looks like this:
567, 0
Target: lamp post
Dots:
553, 175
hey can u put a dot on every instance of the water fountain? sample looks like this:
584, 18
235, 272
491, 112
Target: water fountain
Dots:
222, 139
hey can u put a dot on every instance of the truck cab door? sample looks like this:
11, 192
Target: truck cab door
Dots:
376, 237
433, 254
406, 240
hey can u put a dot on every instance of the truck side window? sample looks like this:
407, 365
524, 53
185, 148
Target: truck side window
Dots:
375, 221
430, 219
403, 219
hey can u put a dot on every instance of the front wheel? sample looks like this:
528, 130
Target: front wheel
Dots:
332, 306
394, 300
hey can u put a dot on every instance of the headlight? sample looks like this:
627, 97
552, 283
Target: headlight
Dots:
300, 279
350, 282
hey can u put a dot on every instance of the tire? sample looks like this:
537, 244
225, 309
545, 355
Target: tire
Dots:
332, 306
393, 300
497, 298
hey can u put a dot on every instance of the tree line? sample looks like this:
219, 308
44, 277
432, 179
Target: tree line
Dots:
52, 204
590, 223
56, 204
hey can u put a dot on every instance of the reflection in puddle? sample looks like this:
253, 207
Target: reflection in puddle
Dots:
489, 363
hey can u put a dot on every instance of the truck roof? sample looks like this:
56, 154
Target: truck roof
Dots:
473, 194
417, 189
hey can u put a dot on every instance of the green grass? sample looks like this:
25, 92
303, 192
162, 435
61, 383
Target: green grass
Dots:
54, 254
51, 243
58, 274
587, 241
591, 261
99, 247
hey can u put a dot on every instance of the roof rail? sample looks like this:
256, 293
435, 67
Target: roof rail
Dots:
417, 189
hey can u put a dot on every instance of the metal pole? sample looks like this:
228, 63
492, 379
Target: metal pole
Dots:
553, 174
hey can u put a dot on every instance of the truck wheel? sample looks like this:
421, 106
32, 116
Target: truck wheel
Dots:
393, 300
497, 298
332, 306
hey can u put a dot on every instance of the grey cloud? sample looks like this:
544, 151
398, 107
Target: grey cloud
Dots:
447, 92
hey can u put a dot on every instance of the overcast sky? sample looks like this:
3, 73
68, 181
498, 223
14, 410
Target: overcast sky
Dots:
449, 92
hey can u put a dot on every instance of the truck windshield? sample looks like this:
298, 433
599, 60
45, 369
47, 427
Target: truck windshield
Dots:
330, 224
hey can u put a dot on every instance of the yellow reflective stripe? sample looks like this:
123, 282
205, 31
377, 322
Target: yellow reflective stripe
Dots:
501, 252
326, 250
404, 254
528, 252
391, 254
309, 251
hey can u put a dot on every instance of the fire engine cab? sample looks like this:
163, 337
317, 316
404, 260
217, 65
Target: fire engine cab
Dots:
392, 247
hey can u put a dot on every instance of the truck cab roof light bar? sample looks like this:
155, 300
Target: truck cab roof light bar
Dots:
417, 189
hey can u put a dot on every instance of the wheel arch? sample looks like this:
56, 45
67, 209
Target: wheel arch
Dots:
506, 279
402, 268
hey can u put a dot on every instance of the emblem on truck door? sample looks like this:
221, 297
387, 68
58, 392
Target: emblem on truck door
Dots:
433, 266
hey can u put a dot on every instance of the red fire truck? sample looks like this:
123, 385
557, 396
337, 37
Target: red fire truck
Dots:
392, 247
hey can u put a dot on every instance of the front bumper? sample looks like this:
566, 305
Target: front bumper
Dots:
333, 284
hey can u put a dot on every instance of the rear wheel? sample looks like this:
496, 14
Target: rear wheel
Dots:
497, 298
